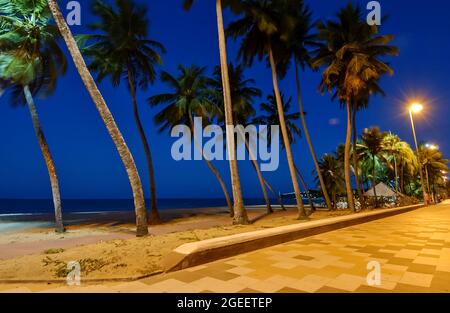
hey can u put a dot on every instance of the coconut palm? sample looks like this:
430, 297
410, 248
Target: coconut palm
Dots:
31, 62
240, 214
108, 119
433, 164
395, 149
261, 28
271, 117
370, 149
242, 97
121, 49
351, 52
333, 175
190, 97
300, 38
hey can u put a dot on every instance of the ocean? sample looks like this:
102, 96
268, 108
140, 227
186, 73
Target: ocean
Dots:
45, 206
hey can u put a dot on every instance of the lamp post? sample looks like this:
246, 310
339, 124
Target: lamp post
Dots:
417, 108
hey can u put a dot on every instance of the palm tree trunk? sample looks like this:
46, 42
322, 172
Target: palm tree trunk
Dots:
212, 168
334, 198
260, 177
396, 174
428, 180
48, 159
374, 181
298, 195
113, 130
240, 214
348, 183
402, 177
355, 160
306, 189
154, 217
269, 186
222, 185
308, 139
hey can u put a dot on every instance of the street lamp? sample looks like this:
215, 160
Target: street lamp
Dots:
417, 108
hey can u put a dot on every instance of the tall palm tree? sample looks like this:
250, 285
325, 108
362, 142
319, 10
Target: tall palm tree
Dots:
240, 214
262, 32
31, 61
121, 49
242, 97
371, 148
300, 38
190, 97
331, 169
108, 120
351, 52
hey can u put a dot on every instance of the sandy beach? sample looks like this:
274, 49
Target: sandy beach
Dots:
105, 244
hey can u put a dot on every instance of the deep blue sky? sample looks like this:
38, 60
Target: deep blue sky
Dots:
88, 164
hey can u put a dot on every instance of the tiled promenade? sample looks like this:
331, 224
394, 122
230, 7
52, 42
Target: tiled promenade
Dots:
413, 250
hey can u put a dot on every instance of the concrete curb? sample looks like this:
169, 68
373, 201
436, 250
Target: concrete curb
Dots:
201, 252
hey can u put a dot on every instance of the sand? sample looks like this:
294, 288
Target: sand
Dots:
106, 247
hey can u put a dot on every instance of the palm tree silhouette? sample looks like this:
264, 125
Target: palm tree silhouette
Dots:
121, 49
108, 119
31, 62
262, 33
240, 214
351, 53
190, 97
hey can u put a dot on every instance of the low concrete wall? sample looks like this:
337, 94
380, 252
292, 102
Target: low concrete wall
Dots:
200, 252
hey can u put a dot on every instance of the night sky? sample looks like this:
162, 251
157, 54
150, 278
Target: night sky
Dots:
89, 166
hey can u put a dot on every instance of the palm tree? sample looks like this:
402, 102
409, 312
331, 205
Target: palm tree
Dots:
351, 51
331, 170
240, 214
262, 36
433, 164
394, 149
121, 49
31, 61
371, 148
190, 98
242, 97
300, 38
271, 117
108, 120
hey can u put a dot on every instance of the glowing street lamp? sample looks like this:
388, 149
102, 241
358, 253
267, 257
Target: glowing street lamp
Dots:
417, 108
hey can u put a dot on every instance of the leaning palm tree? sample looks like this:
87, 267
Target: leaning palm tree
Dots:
300, 38
271, 117
351, 52
190, 97
262, 32
31, 62
121, 49
108, 119
242, 97
371, 148
240, 214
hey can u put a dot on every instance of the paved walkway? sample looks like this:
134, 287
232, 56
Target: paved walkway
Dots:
413, 250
